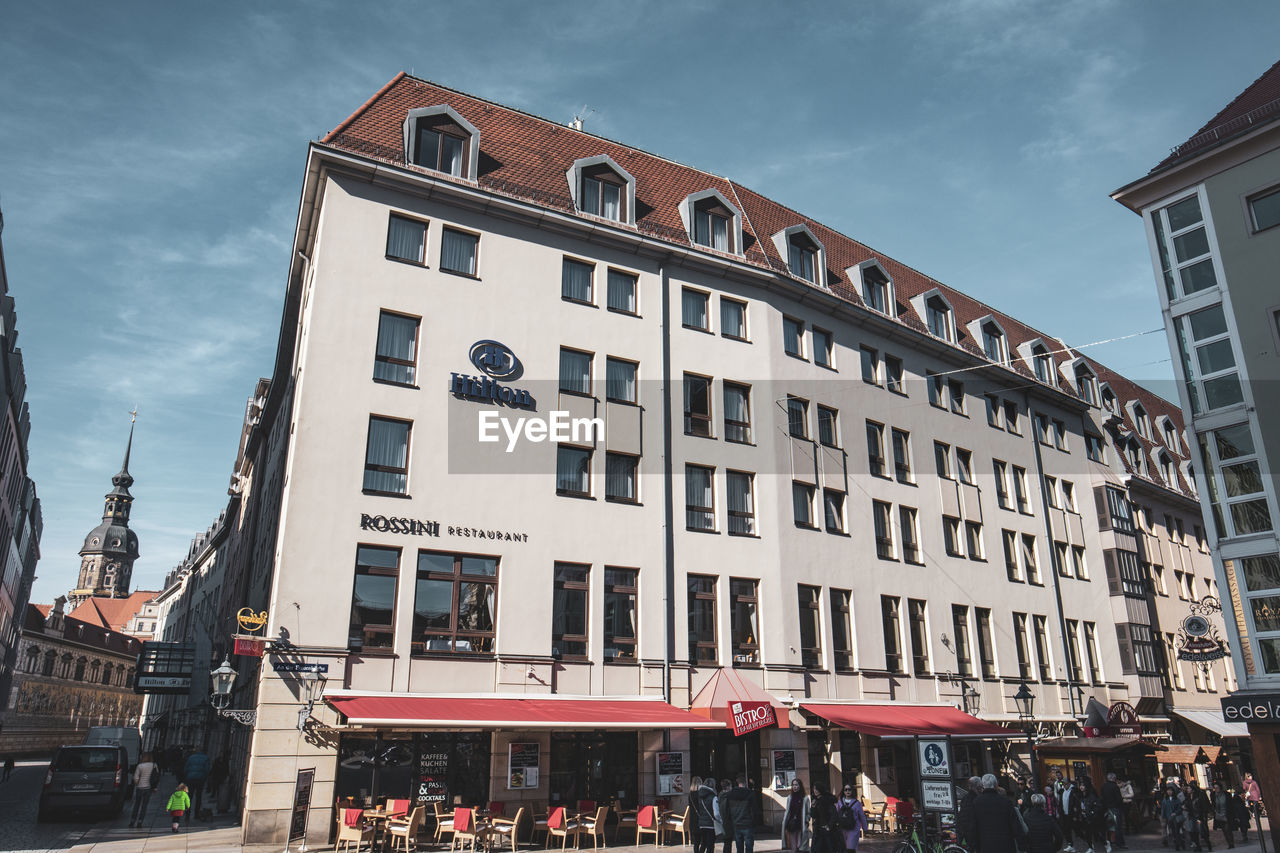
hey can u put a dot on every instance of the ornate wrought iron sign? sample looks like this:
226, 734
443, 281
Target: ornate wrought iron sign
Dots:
1198, 640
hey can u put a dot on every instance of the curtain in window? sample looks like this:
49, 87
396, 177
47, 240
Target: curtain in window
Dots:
735, 404
833, 503
620, 476
405, 238
571, 469
575, 372
388, 447
620, 380
450, 154
458, 252
576, 281
694, 309
397, 339
741, 504
732, 319
622, 292
611, 198
720, 233
697, 490
801, 503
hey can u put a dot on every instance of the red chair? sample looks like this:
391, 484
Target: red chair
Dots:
464, 829
585, 806
397, 808
648, 823
496, 808
560, 826
903, 812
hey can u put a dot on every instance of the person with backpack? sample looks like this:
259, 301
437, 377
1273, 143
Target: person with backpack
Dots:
704, 806
1092, 826
822, 812
851, 819
1113, 802
795, 820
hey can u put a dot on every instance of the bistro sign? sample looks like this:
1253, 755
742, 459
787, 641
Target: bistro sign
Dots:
750, 716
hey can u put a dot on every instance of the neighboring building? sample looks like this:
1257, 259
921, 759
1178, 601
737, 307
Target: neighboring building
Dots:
134, 615
1212, 211
71, 675
823, 477
21, 522
110, 549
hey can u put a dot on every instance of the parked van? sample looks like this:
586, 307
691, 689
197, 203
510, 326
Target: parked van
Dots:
130, 739
84, 777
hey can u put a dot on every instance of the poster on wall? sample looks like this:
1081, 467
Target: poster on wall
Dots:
886, 772
670, 772
433, 773
784, 768
522, 766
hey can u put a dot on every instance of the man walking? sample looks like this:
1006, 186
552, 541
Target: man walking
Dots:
1113, 802
742, 814
996, 826
1070, 814
194, 773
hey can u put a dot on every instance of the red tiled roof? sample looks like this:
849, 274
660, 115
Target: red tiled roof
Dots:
111, 613
1258, 104
83, 632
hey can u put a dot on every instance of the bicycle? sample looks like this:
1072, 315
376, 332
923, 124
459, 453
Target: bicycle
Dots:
920, 841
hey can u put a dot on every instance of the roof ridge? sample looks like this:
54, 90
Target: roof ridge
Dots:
361, 109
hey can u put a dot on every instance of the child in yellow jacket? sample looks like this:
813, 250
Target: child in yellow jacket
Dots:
179, 802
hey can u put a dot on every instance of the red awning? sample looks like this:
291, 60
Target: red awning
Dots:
906, 720
407, 710
729, 685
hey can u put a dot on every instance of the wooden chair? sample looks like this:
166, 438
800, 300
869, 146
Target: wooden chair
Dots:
648, 822
539, 823
560, 825
891, 814
585, 806
876, 817
444, 822
496, 808
509, 828
397, 808
594, 826
464, 828
677, 822
352, 828
626, 821
407, 830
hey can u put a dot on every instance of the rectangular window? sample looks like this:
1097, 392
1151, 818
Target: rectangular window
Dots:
733, 319
1051, 489
882, 521
575, 372
902, 456
1029, 561
833, 510
1093, 448
802, 504
956, 391
973, 539
373, 598
995, 414
1235, 479
951, 536
620, 622
573, 471
1060, 435
744, 621
875, 448
1009, 540
571, 598
937, 389
621, 295
942, 459
620, 477
737, 413
1265, 209
1020, 490
1078, 564
458, 251
1073, 649
1183, 244
1068, 496
1041, 627
893, 374
892, 632
697, 405
986, 646
917, 614
1091, 652
576, 281
699, 506
1042, 428
437, 149
453, 606
407, 239
828, 433
711, 226
870, 365
907, 525
823, 349
702, 620
1011, 421
620, 380
693, 310
964, 465
1002, 483
810, 627
797, 417
960, 627
396, 356
1020, 643
793, 337
602, 195
841, 630
386, 457
740, 487
802, 256
875, 286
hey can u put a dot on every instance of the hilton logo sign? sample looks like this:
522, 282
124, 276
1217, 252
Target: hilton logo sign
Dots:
750, 716
500, 363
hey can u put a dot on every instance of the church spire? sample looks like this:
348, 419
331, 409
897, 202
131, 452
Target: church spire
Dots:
110, 549
123, 480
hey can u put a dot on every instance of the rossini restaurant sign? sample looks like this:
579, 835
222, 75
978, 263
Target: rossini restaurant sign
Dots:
419, 527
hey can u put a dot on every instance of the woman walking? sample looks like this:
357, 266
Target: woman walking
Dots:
823, 812
795, 820
850, 818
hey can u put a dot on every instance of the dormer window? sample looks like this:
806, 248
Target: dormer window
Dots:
1042, 362
802, 256
1086, 384
875, 289
1109, 400
440, 139
601, 187
1166, 469
1133, 453
1171, 436
993, 342
1141, 421
439, 148
938, 315
712, 221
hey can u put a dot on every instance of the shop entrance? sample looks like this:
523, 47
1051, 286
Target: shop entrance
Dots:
599, 766
720, 755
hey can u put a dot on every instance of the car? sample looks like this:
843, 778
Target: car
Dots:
85, 777
129, 738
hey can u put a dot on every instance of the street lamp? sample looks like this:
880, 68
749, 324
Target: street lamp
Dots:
971, 699
223, 677
1026, 701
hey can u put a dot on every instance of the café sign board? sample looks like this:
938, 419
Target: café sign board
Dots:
746, 717
1251, 707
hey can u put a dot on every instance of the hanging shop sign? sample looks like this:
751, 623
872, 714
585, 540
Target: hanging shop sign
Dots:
522, 766
1198, 641
252, 647
670, 772
1122, 720
250, 622
784, 769
935, 759
748, 717
499, 363
165, 668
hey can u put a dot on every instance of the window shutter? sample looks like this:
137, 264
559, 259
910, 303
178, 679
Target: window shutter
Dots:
1113, 572
1126, 651
1104, 512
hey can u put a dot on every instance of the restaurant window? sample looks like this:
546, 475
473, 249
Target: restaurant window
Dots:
1040, 626
702, 620
620, 477
373, 598
697, 405
744, 627
454, 602
576, 281
960, 626
620, 380
396, 356
907, 524
737, 413
828, 434
699, 504
740, 487
620, 622
621, 292
1020, 642
882, 520
458, 251
810, 627
986, 644
733, 319
902, 455
573, 471
841, 629
892, 633
386, 458
596, 766
802, 504
693, 310
406, 239
875, 448
917, 615
570, 601
1091, 652
797, 417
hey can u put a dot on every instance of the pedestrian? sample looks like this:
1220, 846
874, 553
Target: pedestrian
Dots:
145, 777
726, 820
964, 813
1175, 818
195, 772
1238, 811
179, 803
742, 813
8, 768
996, 826
1043, 833
1093, 817
1069, 816
851, 819
1252, 793
218, 774
795, 819
1200, 809
704, 797
823, 814
1113, 802
695, 782
1220, 800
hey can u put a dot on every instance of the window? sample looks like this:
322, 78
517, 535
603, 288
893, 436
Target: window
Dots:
373, 598
1208, 361
828, 433
823, 348
699, 506
458, 251
440, 144
902, 455
711, 225
881, 516
1002, 483
875, 448
1020, 489
742, 505
973, 538
986, 646
576, 281
573, 471
893, 374
702, 620
964, 465
1011, 422
1086, 385
1141, 421
802, 504
1042, 363
951, 535
960, 627
386, 458
620, 380
1009, 541
1094, 449
937, 389
693, 310
1029, 561
575, 372
1264, 208
1186, 259
737, 412
802, 256
870, 366
733, 319
1051, 490
993, 343
407, 239
453, 607
1073, 650
620, 596
797, 417
938, 315
396, 356
697, 405
603, 194
833, 510
889, 621
910, 534
1041, 424
620, 477
744, 621
1068, 496
1020, 643
570, 603
995, 413
793, 337
1078, 564
1166, 469
841, 629
621, 295
1060, 435
1235, 480
956, 389
916, 613
942, 459
875, 289
1091, 653
1171, 436
1060, 557
810, 627
1040, 626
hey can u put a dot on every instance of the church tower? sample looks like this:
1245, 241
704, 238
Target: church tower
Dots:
106, 560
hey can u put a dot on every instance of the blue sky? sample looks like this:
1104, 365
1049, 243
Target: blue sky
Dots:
151, 158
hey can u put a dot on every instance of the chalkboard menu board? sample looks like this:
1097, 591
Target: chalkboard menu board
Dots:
433, 773
301, 803
522, 766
